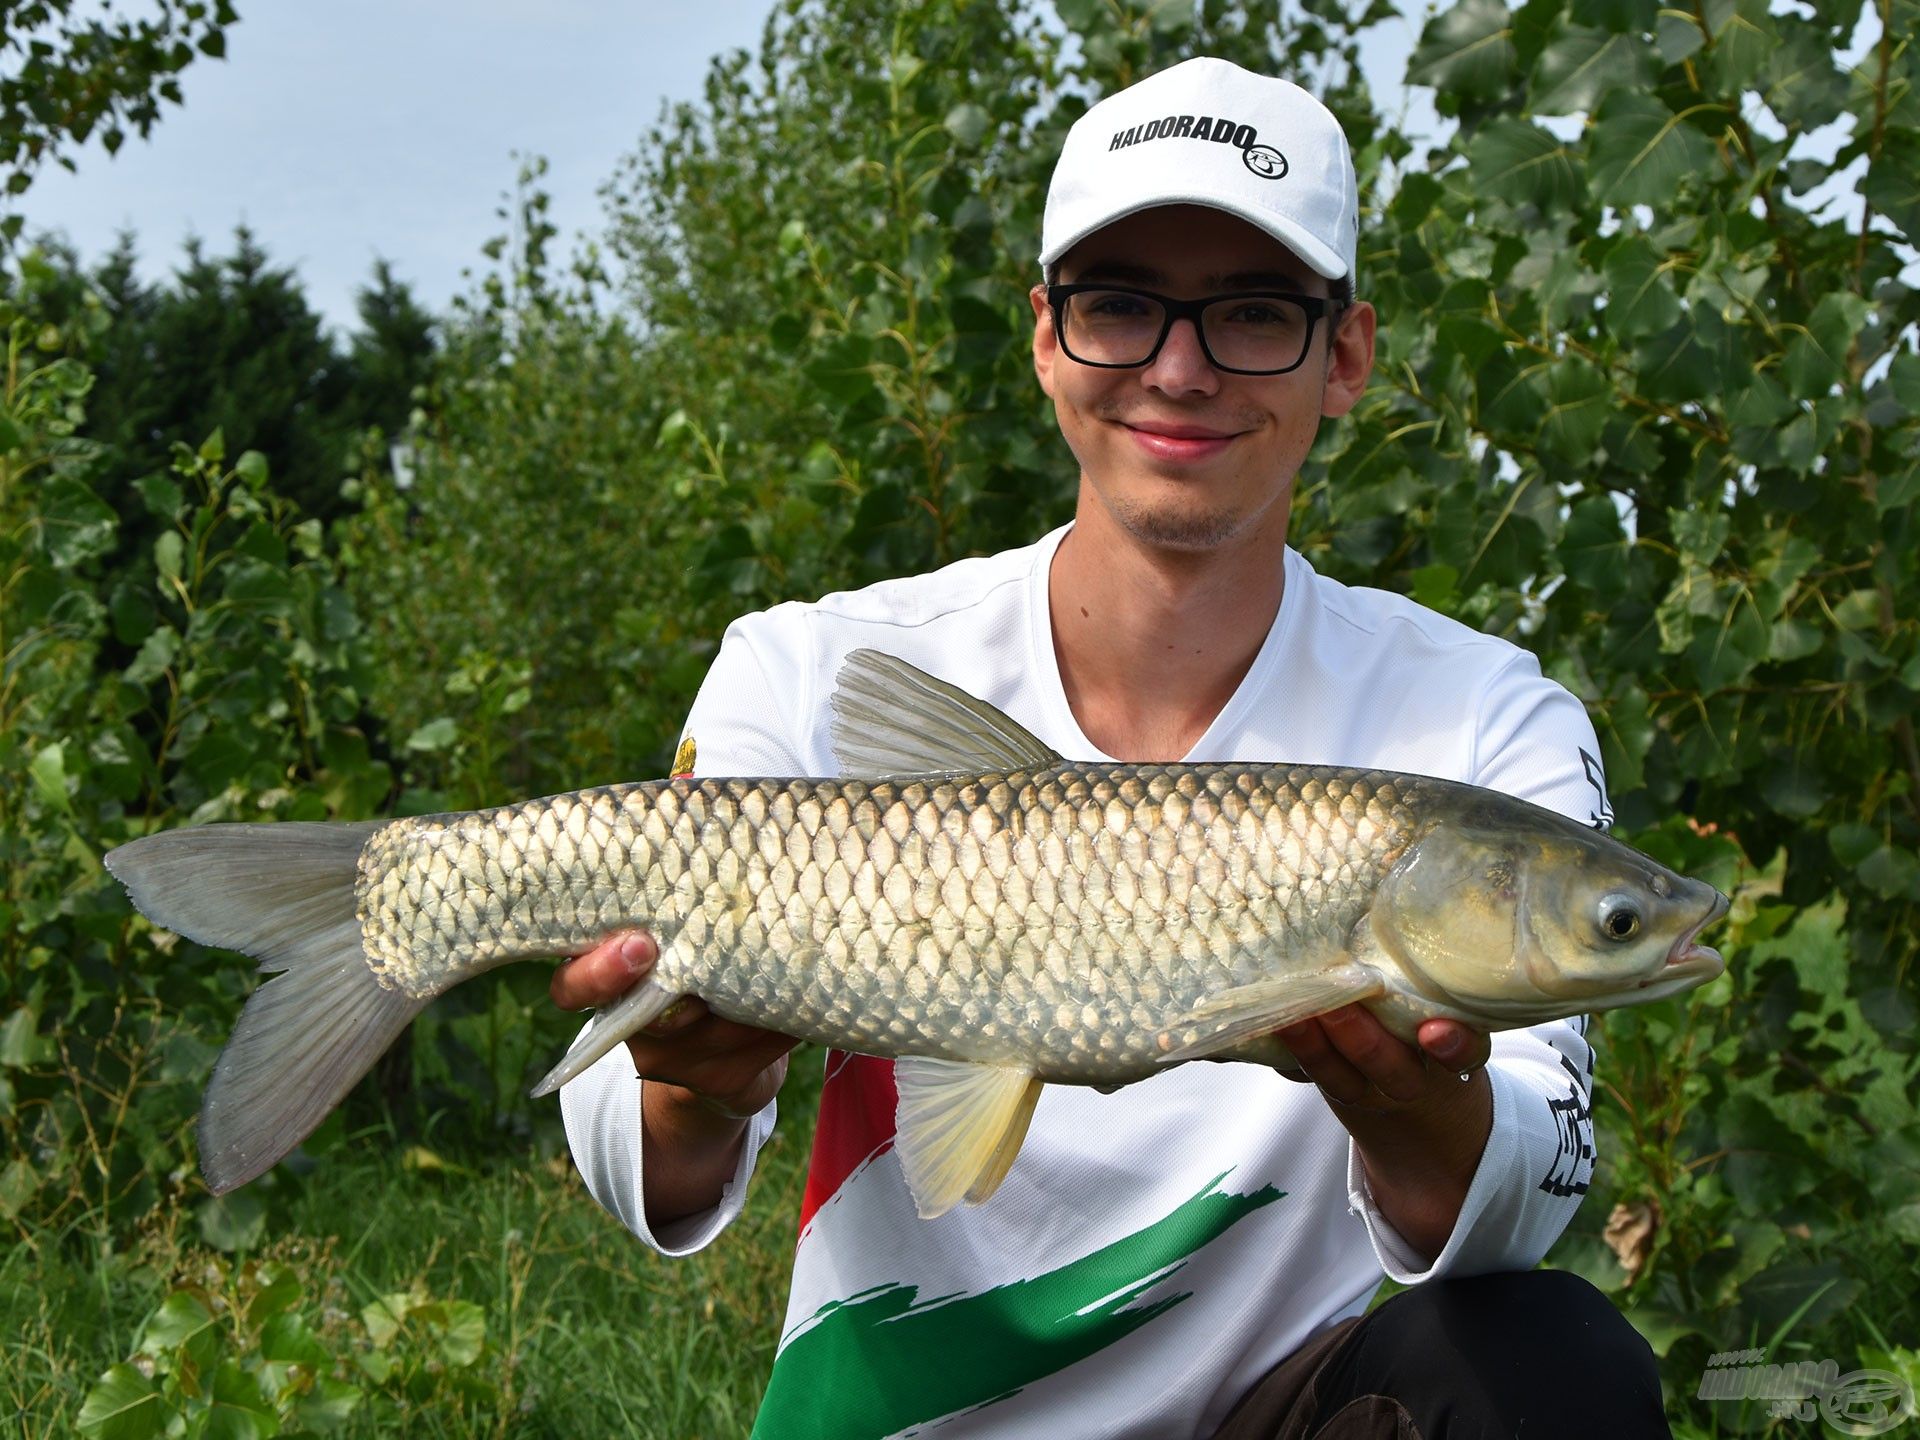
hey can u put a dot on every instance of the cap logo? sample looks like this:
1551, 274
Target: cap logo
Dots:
1262, 160
1265, 161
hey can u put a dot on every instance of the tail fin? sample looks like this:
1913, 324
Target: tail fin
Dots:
283, 894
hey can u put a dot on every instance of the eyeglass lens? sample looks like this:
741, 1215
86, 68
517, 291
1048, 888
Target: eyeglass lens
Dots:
1114, 327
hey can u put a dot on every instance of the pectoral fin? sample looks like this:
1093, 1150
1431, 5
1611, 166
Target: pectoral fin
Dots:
1223, 1020
958, 1128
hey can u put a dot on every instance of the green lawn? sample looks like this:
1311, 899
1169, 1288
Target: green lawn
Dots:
579, 1330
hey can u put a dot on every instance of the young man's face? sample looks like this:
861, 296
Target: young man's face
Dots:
1181, 455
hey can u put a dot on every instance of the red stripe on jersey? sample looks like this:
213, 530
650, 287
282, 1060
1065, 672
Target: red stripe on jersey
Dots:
857, 1106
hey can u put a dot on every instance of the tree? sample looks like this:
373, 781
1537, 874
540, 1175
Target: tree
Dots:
63, 78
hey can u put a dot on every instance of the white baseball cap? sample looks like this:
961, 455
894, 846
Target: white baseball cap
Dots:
1206, 132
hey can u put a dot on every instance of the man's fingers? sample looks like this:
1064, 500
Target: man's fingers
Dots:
1383, 1061
1459, 1047
1324, 1065
604, 973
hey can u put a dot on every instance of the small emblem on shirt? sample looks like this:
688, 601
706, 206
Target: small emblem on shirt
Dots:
683, 760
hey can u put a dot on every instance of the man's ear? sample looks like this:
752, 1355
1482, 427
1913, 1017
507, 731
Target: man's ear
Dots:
1046, 349
1351, 364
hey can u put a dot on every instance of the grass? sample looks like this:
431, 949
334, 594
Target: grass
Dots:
586, 1332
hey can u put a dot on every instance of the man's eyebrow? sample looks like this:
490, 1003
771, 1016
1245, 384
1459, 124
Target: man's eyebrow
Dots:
1123, 272
1257, 280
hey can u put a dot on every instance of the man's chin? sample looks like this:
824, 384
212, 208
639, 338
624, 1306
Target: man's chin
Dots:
1167, 527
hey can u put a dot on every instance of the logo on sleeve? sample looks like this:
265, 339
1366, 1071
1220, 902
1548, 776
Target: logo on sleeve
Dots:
683, 760
1262, 160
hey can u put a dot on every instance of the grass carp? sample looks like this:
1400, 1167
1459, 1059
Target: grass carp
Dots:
963, 899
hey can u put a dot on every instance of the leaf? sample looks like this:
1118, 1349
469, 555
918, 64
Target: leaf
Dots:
234, 1221
384, 1317
1640, 302
1851, 843
967, 123
1767, 1164
48, 770
239, 1411
18, 1185
1519, 162
1593, 548
436, 734
1891, 872
1674, 365
168, 553
160, 495
155, 657
1742, 44
123, 1405
251, 468
463, 1332
1802, 86
1579, 400
1466, 51
77, 524
1903, 378
1580, 65
1816, 354
1892, 183
179, 1318
1640, 152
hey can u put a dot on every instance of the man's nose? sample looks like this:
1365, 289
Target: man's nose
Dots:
1182, 367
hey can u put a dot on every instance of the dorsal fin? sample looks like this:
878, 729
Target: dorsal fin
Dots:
890, 718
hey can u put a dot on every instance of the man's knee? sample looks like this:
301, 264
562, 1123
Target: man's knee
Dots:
1498, 1349
1544, 1313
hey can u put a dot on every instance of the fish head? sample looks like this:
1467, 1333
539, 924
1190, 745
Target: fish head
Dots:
1518, 916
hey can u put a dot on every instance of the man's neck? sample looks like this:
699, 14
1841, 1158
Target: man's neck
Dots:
1152, 643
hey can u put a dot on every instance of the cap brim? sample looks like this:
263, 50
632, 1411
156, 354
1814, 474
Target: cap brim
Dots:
1323, 261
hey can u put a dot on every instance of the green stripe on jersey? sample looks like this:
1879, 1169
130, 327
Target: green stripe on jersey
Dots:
879, 1363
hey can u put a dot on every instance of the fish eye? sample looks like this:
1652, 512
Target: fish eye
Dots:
1619, 918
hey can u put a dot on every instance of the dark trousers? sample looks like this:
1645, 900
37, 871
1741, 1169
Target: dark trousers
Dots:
1540, 1353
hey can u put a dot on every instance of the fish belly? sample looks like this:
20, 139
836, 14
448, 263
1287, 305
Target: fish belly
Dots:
1055, 919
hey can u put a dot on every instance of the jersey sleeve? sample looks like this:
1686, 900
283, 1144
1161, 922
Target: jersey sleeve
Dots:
740, 724
1534, 741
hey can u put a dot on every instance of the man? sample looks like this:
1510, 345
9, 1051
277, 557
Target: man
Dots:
1189, 1255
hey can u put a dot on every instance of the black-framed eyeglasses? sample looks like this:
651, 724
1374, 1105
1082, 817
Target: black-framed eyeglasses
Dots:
1252, 332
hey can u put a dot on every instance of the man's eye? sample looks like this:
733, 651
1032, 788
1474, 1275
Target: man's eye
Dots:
1261, 313
1116, 306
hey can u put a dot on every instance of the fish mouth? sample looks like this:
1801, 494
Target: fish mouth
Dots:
1688, 963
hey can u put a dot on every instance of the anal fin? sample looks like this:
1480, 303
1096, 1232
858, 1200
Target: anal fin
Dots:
628, 1015
958, 1128
1225, 1019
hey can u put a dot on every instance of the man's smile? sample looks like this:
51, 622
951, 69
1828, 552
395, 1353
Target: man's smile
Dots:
1168, 440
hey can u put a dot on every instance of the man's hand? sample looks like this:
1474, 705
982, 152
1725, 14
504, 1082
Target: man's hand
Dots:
1420, 1129
705, 1077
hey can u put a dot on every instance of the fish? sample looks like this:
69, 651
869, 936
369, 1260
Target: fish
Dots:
961, 899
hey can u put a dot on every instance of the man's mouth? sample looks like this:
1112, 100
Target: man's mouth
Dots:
1168, 441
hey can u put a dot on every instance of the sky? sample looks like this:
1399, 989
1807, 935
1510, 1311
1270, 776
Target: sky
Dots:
343, 131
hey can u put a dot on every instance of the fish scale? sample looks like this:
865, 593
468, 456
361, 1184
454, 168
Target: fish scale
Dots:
966, 917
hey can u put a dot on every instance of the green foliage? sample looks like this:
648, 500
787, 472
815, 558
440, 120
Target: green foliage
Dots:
65, 77
213, 677
249, 357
